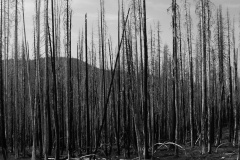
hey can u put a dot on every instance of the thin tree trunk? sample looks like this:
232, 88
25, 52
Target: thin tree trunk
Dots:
55, 96
231, 119
68, 73
37, 82
204, 80
191, 98
175, 59
46, 100
2, 109
210, 104
86, 85
145, 108
221, 75
16, 82
235, 114
119, 85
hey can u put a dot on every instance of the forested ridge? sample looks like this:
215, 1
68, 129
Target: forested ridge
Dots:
140, 98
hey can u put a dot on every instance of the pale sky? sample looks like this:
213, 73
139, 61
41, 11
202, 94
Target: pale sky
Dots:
156, 11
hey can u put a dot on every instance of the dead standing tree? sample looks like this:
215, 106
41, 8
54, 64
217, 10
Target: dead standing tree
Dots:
235, 89
16, 81
145, 107
46, 87
191, 95
175, 71
54, 76
37, 81
204, 76
2, 113
68, 84
221, 49
86, 85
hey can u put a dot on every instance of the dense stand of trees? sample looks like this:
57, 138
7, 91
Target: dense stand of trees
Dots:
124, 101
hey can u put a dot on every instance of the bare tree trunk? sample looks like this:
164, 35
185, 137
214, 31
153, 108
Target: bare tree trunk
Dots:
55, 96
46, 100
119, 85
221, 74
79, 61
146, 98
16, 82
102, 30
2, 113
158, 136
191, 98
37, 81
204, 78
236, 95
86, 85
210, 104
68, 83
34, 108
28, 62
231, 112
235, 110
6, 68
175, 59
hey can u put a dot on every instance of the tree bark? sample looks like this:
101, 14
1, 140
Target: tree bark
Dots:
16, 81
146, 98
2, 109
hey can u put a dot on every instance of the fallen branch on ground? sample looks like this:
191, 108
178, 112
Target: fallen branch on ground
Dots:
170, 143
222, 145
160, 144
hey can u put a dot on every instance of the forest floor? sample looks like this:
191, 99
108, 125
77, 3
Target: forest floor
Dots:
225, 151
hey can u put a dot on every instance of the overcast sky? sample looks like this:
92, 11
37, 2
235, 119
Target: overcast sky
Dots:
156, 11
